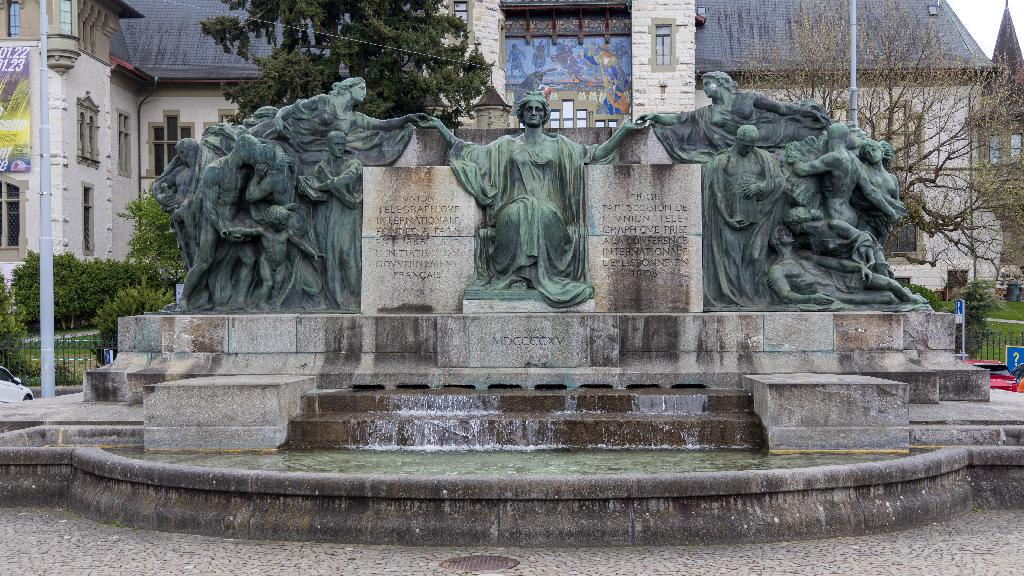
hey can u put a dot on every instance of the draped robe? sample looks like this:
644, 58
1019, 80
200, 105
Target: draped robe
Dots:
336, 187
735, 274
698, 135
535, 210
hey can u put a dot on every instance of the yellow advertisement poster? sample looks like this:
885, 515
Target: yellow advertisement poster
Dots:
15, 105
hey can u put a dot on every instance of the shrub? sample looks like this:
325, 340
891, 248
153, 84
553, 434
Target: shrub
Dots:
933, 299
130, 302
10, 327
979, 300
153, 240
80, 287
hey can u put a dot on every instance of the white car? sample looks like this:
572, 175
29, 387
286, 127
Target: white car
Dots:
11, 389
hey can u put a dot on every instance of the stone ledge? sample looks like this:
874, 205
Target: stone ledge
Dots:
735, 507
831, 411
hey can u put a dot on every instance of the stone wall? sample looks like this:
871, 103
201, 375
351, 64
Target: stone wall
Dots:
540, 350
658, 88
486, 28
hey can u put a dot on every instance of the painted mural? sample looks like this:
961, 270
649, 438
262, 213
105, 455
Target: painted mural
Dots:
598, 69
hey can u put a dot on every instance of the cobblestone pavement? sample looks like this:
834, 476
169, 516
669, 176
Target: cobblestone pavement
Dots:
46, 541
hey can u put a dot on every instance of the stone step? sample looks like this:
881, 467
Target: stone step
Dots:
455, 401
544, 430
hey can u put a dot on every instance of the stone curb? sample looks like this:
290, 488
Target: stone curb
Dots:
591, 487
660, 509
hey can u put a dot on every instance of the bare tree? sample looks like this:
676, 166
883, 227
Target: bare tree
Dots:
937, 108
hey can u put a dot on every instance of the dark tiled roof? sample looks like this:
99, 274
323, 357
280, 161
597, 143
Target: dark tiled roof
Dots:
491, 98
737, 31
168, 42
1008, 52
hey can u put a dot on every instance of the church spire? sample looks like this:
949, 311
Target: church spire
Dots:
1008, 51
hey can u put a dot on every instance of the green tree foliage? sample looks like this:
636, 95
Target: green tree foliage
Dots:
979, 300
153, 242
10, 327
433, 69
130, 301
933, 299
80, 287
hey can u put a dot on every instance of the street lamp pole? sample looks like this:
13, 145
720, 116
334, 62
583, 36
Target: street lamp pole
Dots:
853, 63
46, 368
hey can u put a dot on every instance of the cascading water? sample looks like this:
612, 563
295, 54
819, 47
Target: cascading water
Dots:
529, 420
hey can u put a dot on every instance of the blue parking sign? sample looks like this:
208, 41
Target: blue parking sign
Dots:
1014, 357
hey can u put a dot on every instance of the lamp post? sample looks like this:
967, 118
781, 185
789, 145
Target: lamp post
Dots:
46, 370
853, 63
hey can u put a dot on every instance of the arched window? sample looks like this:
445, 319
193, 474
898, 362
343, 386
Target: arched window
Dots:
88, 131
13, 18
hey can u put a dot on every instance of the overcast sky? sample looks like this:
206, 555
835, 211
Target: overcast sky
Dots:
982, 18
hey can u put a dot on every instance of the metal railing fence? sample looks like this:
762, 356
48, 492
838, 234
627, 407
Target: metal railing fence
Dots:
73, 355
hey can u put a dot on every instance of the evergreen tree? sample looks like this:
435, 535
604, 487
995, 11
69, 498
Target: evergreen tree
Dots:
414, 55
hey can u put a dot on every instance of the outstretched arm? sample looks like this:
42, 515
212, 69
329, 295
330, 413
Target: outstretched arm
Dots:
786, 109
894, 209
240, 233
610, 145
446, 134
660, 119
393, 123
819, 166
305, 247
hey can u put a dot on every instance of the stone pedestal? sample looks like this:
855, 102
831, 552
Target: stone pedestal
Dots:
222, 412
829, 412
527, 350
643, 239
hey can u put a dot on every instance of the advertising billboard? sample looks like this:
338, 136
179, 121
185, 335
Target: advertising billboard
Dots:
15, 106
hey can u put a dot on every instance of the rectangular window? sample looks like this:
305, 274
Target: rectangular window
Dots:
13, 18
124, 145
164, 139
555, 121
65, 17
1015, 145
955, 280
663, 45
12, 216
462, 10
567, 113
599, 123
993, 150
613, 123
87, 219
581, 118
906, 239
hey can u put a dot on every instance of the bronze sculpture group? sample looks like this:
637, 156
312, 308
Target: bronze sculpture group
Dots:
268, 213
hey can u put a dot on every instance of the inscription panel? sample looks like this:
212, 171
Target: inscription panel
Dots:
418, 229
513, 341
644, 238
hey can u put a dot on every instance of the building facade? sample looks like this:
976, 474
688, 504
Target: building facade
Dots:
129, 78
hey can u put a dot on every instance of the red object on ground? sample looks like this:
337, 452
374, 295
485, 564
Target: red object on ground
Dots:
999, 377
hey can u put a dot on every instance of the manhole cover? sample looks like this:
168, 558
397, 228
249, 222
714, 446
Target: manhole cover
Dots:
479, 563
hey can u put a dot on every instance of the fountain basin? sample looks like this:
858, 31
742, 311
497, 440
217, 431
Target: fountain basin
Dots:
532, 510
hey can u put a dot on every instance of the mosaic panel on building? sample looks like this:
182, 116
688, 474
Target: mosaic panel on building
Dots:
582, 60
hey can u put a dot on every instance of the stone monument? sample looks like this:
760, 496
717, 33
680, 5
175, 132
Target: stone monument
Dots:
268, 213
330, 252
